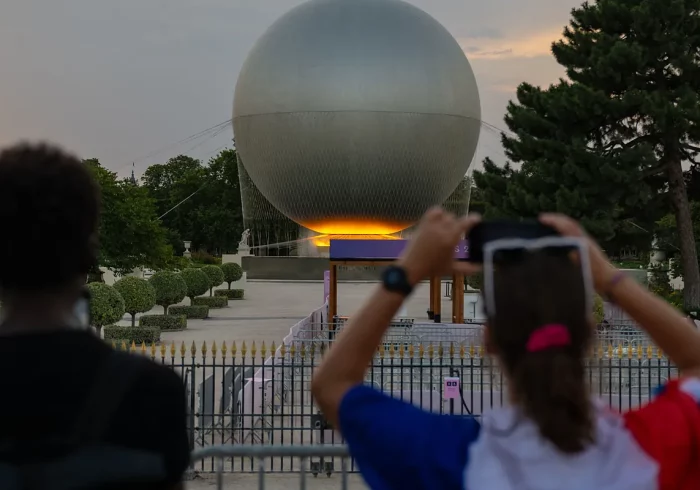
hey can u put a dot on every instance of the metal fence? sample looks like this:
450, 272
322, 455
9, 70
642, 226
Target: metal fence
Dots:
258, 395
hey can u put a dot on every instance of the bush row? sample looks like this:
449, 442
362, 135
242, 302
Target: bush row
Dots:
194, 311
230, 293
164, 322
211, 301
138, 335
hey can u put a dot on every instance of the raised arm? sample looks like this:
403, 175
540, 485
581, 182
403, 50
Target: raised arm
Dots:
667, 327
431, 251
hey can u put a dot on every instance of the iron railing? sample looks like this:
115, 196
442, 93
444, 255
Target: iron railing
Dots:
260, 396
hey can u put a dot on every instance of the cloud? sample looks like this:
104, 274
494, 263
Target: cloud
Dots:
527, 45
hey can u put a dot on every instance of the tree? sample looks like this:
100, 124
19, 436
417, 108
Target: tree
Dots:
215, 275
199, 203
138, 294
232, 272
642, 57
106, 305
170, 288
563, 165
197, 282
130, 234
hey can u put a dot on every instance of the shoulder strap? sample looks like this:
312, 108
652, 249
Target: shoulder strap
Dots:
113, 379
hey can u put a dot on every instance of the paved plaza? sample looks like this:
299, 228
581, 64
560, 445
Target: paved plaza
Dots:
271, 308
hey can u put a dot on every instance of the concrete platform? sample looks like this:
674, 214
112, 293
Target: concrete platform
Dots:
271, 308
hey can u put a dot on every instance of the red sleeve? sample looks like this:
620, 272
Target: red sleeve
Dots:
668, 430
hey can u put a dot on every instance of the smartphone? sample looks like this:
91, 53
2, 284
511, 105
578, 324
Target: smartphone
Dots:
81, 310
488, 231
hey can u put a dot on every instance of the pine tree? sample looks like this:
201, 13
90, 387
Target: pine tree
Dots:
608, 144
643, 55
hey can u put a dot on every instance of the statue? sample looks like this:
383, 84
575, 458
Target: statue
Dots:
243, 244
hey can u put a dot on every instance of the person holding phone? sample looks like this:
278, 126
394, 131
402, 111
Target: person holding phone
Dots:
68, 398
551, 433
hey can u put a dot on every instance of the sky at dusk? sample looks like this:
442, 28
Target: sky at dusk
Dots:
121, 80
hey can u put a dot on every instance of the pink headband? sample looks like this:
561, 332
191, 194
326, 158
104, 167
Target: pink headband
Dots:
548, 336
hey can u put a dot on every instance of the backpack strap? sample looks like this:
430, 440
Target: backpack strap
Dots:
114, 378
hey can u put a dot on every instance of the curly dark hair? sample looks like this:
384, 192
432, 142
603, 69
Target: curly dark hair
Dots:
49, 211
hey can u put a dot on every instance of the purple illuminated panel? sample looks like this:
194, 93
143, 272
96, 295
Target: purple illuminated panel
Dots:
379, 249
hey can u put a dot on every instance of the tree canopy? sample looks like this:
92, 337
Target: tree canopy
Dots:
130, 234
200, 203
607, 145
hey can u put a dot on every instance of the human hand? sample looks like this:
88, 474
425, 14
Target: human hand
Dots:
602, 270
432, 248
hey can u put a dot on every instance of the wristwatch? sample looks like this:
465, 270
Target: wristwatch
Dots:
395, 280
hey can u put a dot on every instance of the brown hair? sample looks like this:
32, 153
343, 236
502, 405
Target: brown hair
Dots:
549, 385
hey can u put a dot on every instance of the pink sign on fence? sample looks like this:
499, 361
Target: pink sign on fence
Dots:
450, 388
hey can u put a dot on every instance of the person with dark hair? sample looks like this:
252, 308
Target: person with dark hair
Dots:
551, 433
69, 398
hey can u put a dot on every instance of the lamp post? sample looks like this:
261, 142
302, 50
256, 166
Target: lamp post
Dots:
187, 244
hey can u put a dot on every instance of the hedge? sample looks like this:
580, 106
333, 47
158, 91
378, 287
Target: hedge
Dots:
215, 275
197, 282
211, 301
232, 272
200, 312
106, 305
230, 293
138, 335
164, 322
139, 295
170, 288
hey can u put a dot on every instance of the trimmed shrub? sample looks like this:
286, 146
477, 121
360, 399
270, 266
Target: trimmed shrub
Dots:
170, 288
197, 282
211, 301
164, 322
215, 275
106, 305
230, 293
200, 312
138, 335
232, 272
205, 258
138, 294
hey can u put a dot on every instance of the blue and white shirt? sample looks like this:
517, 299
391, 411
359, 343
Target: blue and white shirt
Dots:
398, 446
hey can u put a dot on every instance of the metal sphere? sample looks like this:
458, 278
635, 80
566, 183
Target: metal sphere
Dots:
355, 116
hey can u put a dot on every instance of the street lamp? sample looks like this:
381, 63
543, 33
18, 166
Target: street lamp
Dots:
187, 244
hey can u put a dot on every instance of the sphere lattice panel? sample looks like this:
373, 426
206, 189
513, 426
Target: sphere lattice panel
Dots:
354, 116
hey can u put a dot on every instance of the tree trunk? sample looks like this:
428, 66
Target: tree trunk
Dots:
684, 223
133, 319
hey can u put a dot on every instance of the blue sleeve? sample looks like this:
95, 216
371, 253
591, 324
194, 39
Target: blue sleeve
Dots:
399, 446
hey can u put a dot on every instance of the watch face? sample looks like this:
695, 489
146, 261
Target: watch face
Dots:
394, 276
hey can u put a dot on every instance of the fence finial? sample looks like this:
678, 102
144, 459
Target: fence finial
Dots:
153, 350
431, 350
440, 350
293, 349
253, 350
472, 351
421, 350
203, 349
224, 349
123, 345
133, 346
283, 350
143, 347
462, 351
411, 350
302, 352
183, 350
263, 350
650, 352
273, 349
244, 350
114, 345
193, 350
213, 350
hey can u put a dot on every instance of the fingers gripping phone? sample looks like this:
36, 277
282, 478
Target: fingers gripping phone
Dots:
488, 231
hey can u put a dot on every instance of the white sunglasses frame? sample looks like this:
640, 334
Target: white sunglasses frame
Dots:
490, 248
